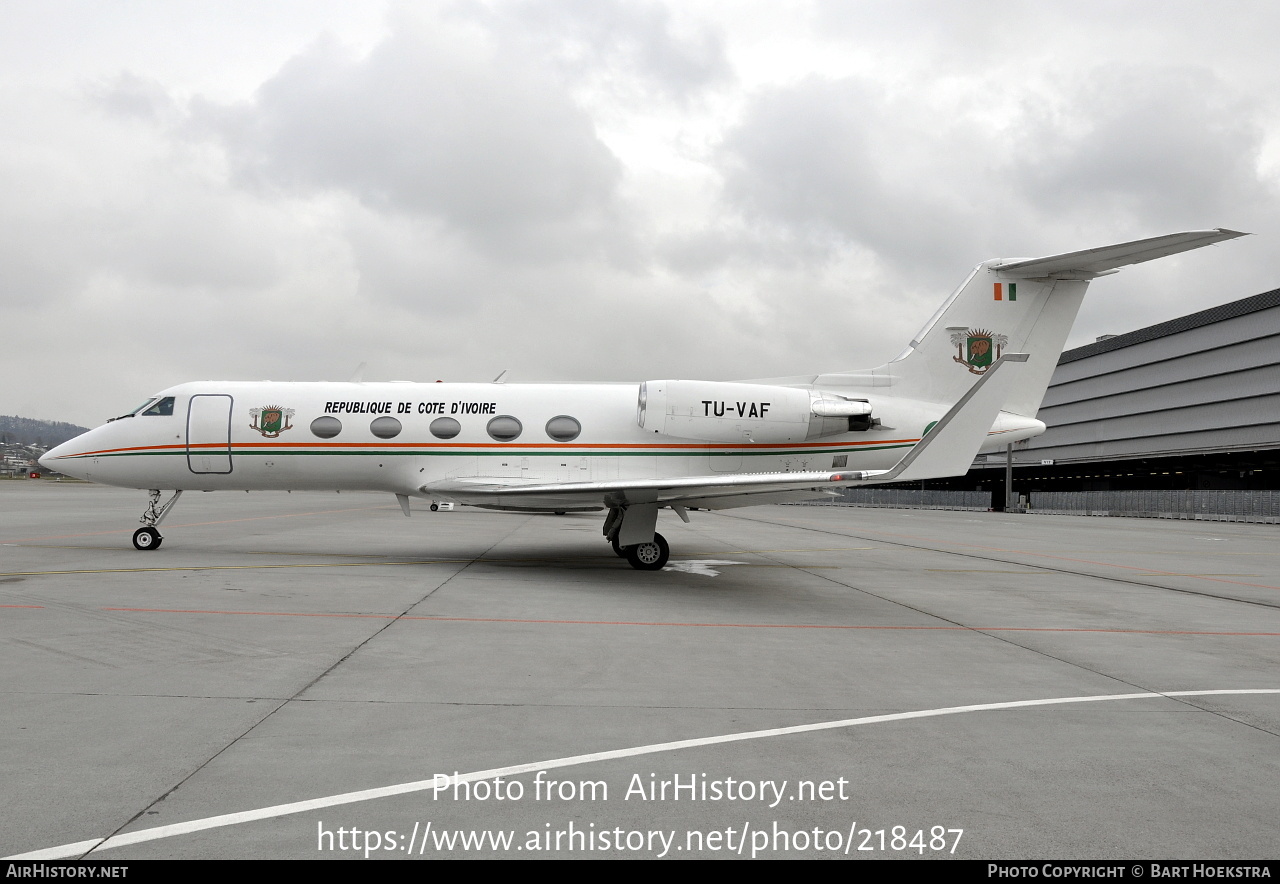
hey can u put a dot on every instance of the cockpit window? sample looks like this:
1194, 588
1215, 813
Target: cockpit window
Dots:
163, 407
134, 412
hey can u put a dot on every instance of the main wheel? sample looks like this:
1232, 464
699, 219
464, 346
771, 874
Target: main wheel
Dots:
435, 507
649, 556
619, 551
146, 538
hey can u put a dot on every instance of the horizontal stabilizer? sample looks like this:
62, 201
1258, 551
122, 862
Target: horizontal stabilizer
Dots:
1095, 262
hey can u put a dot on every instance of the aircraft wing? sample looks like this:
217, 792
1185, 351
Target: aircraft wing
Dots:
948, 449
1096, 262
712, 492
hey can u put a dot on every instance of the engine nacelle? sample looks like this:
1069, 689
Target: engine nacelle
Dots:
715, 411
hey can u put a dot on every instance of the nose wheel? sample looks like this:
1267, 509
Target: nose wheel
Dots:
147, 538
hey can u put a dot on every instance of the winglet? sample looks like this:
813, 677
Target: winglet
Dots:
949, 447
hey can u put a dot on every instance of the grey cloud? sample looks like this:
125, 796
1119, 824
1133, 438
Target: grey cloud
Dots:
1123, 152
1159, 145
626, 38
486, 144
840, 162
130, 96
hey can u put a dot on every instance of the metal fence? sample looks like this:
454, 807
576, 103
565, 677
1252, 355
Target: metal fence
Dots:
910, 498
1209, 506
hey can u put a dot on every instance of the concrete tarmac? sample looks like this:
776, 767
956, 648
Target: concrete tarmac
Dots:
286, 674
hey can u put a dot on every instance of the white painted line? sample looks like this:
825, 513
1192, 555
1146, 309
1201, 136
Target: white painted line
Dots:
698, 566
230, 819
66, 850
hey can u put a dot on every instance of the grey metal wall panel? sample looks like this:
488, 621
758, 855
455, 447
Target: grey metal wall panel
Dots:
1197, 393
1196, 384
1219, 334
1256, 437
1218, 506
1204, 363
1205, 418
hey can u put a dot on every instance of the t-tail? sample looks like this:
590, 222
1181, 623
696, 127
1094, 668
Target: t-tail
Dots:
1010, 306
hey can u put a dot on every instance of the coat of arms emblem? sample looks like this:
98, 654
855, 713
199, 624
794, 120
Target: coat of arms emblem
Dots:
977, 348
271, 420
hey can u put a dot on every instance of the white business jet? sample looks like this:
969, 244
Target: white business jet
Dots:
971, 380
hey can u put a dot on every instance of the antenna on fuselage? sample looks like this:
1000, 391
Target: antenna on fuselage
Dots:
358, 375
499, 378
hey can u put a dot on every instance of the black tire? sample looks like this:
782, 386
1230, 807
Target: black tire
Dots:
435, 507
147, 539
650, 556
619, 551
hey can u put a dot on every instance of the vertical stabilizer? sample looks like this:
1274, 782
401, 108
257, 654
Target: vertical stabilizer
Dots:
1024, 305
993, 313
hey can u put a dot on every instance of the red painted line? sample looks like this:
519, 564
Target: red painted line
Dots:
41, 607
693, 624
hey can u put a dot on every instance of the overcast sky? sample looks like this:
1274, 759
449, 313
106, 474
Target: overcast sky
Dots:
596, 190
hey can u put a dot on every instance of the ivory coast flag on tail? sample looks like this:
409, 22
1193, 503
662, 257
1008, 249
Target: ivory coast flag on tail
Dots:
1012, 288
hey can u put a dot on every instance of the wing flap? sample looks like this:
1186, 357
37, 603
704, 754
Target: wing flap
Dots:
544, 495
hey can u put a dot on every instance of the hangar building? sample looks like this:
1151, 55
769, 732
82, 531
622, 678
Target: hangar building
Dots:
1192, 403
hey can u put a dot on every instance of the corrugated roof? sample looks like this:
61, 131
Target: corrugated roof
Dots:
1174, 326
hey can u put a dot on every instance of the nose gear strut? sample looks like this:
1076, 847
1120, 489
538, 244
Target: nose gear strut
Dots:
148, 537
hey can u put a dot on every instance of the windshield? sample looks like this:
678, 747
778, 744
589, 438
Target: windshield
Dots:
135, 410
161, 407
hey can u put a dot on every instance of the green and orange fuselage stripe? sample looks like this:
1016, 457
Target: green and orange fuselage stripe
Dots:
497, 448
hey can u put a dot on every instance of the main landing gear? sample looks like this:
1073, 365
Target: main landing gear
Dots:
648, 555
644, 556
651, 556
148, 536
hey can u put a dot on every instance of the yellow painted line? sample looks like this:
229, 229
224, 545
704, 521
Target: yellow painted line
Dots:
130, 549
1156, 573
231, 567
747, 552
979, 571
590, 559
719, 552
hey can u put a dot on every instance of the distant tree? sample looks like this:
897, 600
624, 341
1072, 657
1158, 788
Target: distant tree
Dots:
39, 433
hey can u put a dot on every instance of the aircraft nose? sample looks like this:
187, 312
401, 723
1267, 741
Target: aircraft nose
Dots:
48, 459
52, 459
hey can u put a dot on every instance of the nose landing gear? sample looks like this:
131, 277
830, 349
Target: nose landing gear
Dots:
148, 537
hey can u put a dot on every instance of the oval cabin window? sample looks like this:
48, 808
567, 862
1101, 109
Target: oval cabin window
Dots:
445, 428
504, 428
326, 427
563, 428
385, 427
